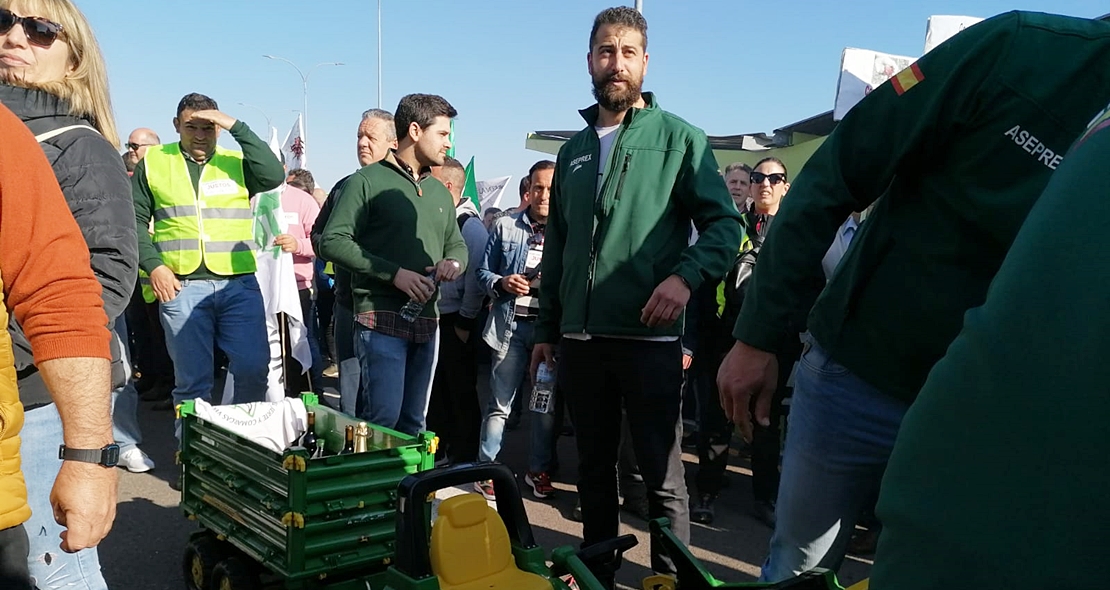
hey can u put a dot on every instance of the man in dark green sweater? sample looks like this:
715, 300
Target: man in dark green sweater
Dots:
959, 146
618, 269
1001, 462
200, 256
392, 227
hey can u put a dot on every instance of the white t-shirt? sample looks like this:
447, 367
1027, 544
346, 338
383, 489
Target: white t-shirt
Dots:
606, 135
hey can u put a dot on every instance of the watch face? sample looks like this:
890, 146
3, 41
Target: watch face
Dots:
109, 455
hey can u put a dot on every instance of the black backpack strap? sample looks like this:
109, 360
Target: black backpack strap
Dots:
462, 219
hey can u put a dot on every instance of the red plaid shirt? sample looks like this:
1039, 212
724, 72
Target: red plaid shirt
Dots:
392, 324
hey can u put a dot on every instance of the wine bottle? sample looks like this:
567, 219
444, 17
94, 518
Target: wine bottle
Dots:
309, 440
362, 436
348, 440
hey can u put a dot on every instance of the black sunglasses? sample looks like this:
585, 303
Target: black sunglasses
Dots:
137, 146
775, 178
39, 31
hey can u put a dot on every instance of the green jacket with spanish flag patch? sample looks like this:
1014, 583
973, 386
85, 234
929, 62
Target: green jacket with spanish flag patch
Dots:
958, 147
1020, 478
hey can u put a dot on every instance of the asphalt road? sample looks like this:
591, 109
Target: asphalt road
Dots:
144, 550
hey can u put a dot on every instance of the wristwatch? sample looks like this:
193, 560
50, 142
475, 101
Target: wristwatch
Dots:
107, 456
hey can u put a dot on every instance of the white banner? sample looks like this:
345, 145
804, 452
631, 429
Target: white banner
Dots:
861, 71
278, 283
944, 27
490, 191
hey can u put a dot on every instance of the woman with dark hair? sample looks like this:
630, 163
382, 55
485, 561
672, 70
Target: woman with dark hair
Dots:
52, 76
768, 186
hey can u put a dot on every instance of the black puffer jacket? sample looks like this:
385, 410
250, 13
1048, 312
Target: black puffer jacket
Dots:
95, 184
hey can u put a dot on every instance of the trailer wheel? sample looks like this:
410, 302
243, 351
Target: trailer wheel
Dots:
202, 554
234, 573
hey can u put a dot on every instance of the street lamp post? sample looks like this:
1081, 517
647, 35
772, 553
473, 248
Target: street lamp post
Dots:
304, 85
379, 54
269, 120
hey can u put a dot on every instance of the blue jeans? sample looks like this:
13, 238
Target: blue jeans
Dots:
508, 372
345, 358
396, 379
838, 440
50, 566
125, 400
125, 419
228, 313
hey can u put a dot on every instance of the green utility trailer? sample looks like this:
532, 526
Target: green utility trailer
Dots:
326, 522
362, 521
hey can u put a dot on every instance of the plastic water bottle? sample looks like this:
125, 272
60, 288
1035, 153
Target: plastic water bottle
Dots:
543, 392
412, 309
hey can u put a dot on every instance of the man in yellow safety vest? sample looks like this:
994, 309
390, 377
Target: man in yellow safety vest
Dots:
200, 257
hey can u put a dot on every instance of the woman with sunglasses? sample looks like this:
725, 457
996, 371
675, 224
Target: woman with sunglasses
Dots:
52, 76
768, 187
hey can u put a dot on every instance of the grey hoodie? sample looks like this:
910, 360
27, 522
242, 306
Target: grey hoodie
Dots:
464, 296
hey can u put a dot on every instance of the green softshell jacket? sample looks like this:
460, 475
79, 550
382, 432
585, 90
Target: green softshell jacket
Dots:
383, 221
605, 253
998, 479
959, 150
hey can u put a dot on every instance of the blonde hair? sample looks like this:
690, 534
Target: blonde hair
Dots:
86, 87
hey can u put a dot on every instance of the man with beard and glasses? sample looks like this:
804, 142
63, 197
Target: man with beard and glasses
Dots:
394, 229
618, 272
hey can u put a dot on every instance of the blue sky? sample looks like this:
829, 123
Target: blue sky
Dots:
509, 67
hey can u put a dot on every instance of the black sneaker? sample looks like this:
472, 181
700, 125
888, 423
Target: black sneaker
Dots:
576, 514
637, 507
764, 512
702, 510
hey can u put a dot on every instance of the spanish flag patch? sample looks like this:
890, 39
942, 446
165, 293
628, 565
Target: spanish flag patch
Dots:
906, 79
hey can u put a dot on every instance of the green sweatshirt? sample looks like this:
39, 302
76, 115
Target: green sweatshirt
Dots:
960, 149
604, 254
262, 171
998, 480
384, 221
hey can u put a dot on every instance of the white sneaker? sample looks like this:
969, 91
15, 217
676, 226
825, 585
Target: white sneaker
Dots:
135, 461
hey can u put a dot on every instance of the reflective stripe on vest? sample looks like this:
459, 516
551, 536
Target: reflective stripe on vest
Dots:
148, 289
215, 227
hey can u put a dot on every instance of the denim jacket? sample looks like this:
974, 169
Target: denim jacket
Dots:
506, 254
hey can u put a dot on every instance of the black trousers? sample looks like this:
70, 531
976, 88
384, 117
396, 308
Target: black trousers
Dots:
599, 377
148, 340
715, 434
453, 411
296, 382
325, 302
14, 548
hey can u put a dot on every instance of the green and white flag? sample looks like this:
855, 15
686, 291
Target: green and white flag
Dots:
267, 221
278, 283
470, 186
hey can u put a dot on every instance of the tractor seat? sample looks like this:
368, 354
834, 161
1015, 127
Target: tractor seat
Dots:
471, 549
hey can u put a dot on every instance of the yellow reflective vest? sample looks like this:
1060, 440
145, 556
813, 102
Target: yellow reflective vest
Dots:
212, 224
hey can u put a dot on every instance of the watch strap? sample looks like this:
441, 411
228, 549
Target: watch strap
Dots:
107, 456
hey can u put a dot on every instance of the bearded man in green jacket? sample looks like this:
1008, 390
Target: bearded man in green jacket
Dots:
618, 269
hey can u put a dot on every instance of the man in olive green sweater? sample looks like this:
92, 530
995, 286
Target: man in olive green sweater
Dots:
960, 146
617, 274
393, 224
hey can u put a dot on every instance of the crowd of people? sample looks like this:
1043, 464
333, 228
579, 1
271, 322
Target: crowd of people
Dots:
635, 269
